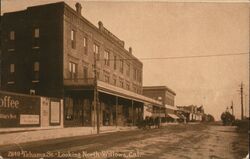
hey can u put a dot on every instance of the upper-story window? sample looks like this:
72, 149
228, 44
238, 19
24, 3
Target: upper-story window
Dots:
128, 70
115, 62
12, 35
106, 58
134, 73
121, 65
12, 68
36, 33
72, 70
11, 78
96, 50
139, 76
85, 45
73, 39
106, 78
36, 68
121, 83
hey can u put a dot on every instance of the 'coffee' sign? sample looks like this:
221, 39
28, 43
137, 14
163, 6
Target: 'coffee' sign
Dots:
13, 105
8, 102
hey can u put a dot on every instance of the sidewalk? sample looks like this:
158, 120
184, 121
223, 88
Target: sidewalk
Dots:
22, 136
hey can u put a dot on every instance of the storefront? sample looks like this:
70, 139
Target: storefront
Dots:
117, 107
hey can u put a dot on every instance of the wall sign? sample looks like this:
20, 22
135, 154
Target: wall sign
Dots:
26, 119
55, 112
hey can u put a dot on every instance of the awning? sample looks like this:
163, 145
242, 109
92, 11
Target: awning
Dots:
173, 116
116, 91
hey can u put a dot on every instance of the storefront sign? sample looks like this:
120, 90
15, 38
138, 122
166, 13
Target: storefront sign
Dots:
55, 112
13, 105
29, 119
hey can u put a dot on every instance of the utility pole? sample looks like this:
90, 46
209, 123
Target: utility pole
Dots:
96, 99
241, 97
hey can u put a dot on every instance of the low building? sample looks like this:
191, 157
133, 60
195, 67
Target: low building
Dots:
191, 112
164, 95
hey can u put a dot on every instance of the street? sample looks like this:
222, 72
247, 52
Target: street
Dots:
194, 141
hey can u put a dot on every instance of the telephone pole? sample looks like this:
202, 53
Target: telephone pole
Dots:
241, 97
96, 99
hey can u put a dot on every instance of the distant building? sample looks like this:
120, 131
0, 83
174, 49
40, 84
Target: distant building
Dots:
192, 112
164, 95
50, 50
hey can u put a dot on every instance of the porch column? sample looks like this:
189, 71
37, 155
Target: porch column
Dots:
116, 114
133, 113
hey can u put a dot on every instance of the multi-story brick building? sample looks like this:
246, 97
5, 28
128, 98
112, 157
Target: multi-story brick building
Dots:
51, 49
164, 95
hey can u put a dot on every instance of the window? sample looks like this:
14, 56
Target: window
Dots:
106, 58
121, 65
36, 68
85, 43
139, 76
135, 74
12, 68
121, 83
72, 70
85, 72
12, 35
73, 39
127, 86
96, 51
11, 74
114, 62
36, 33
128, 69
106, 78
114, 81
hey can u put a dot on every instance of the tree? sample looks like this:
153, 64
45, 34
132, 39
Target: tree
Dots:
227, 118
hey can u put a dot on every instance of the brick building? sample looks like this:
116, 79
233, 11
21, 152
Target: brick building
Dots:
50, 50
164, 95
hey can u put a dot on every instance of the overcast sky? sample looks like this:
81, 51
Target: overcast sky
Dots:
170, 29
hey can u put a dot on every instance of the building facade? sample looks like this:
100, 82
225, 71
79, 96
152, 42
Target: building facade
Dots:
164, 95
192, 112
52, 50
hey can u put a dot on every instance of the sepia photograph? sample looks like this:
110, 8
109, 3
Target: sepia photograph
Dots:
124, 79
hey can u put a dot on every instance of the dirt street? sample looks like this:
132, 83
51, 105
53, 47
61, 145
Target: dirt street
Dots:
191, 141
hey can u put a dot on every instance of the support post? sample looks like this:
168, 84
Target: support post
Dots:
132, 112
116, 113
96, 101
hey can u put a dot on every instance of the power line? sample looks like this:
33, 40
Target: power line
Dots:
179, 57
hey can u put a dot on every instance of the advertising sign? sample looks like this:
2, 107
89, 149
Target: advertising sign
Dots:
55, 112
13, 105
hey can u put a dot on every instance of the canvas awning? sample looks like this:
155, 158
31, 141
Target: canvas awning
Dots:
116, 91
173, 116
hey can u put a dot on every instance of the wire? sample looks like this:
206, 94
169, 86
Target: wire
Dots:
178, 57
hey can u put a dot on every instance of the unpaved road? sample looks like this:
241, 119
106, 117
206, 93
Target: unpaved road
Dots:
191, 141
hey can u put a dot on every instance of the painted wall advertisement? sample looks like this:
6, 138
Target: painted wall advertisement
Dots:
18, 110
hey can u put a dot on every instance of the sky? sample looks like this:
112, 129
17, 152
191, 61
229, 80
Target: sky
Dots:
161, 29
